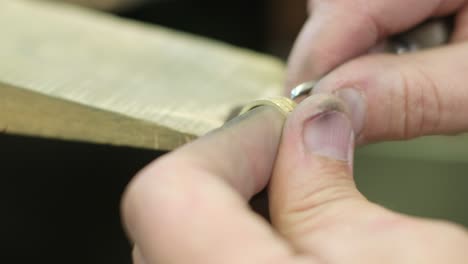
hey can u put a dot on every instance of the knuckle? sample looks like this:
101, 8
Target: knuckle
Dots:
312, 204
168, 187
150, 188
334, 184
421, 102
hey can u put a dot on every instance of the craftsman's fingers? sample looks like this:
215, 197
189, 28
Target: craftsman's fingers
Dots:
400, 97
191, 206
315, 204
340, 30
313, 172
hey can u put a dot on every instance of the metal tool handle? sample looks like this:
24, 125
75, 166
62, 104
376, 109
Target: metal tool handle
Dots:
429, 34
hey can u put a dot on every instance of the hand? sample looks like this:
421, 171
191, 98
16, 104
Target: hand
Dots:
391, 96
191, 206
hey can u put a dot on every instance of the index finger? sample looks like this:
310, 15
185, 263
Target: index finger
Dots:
191, 206
340, 30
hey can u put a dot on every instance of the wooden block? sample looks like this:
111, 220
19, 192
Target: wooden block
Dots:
103, 74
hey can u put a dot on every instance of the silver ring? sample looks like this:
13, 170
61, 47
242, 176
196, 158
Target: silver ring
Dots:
302, 89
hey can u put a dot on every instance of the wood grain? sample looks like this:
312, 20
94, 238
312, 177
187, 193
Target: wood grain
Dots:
162, 78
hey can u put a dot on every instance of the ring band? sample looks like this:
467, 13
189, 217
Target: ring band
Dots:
283, 104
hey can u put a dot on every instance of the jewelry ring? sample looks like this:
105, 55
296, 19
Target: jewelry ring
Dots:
302, 89
283, 104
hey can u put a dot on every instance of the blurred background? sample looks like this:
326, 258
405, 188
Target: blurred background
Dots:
60, 200
263, 25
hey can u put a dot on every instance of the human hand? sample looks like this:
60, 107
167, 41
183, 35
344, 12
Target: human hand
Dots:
191, 206
391, 96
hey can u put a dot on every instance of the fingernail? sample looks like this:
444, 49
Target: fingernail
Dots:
329, 135
357, 107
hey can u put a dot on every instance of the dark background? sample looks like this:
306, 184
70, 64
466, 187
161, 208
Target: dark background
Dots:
60, 200
241, 23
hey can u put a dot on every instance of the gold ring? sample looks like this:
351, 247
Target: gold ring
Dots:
283, 104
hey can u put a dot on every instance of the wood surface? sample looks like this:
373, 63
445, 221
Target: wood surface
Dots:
33, 114
76, 74
155, 79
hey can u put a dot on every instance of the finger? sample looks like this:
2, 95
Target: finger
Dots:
191, 206
402, 97
313, 169
315, 205
341, 30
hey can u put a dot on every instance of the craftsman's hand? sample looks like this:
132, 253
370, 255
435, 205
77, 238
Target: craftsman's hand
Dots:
392, 96
191, 205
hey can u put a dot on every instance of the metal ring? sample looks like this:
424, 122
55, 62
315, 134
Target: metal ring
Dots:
302, 89
283, 104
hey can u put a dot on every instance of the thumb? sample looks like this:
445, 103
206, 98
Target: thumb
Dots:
312, 180
315, 205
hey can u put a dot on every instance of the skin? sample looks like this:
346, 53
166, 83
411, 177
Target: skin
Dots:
427, 89
191, 206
